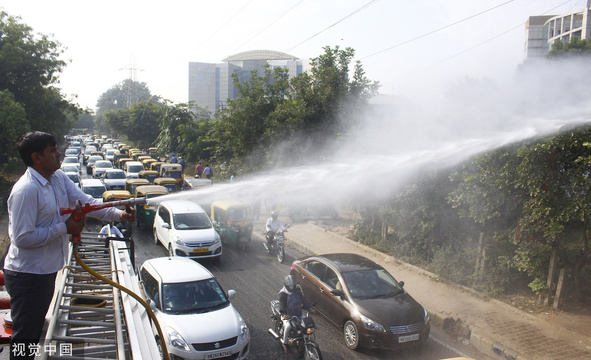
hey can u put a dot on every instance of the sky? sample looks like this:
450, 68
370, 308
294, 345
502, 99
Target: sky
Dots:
413, 48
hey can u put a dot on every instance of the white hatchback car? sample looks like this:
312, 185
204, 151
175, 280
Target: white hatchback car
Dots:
184, 229
195, 314
100, 166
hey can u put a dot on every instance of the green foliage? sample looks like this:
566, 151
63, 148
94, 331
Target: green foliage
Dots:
29, 66
575, 48
14, 124
276, 122
140, 122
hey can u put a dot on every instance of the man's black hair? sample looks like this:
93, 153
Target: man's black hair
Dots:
34, 142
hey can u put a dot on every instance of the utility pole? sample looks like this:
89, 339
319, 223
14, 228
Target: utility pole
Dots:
131, 96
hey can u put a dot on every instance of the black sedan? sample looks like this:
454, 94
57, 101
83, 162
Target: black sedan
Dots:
363, 300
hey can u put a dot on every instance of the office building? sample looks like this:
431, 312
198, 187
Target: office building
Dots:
542, 31
211, 84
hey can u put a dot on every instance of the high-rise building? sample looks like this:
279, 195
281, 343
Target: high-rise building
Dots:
542, 31
211, 84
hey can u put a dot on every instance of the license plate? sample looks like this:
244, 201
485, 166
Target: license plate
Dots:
407, 338
218, 354
200, 250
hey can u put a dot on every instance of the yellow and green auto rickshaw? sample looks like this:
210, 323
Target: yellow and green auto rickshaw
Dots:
116, 195
233, 221
143, 157
121, 162
146, 163
148, 175
156, 166
153, 152
132, 184
170, 183
144, 213
173, 171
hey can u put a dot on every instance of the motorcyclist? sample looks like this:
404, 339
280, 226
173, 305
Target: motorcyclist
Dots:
291, 303
273, 225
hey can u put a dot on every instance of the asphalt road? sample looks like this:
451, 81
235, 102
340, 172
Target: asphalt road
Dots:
257, 278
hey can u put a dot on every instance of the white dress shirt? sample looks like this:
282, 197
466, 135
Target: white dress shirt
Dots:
39, 242
274, 225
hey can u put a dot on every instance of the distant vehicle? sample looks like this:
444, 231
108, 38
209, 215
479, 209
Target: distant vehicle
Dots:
110, 153
185, 230
194, 183
100, 166
93, 187
363, 300
70, 168
198, 320
72, 160
114, 179
132, 168
90, 163
75, 177
72, 152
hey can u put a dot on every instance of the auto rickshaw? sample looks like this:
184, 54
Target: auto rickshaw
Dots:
148, 175
156, 166
144, 213
153, 152
124, 150
121, 162
132, 184
116, 195
233, 221
135, 154
170, 183
116, 156
146, 163
143, 157
174, 171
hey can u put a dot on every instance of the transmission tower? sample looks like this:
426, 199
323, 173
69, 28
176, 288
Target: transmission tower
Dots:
132, 96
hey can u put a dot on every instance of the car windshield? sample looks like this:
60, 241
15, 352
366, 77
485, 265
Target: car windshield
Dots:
103, 164
69, 168
239, 214
170, 186
115, 175
153, 196
135, 168
193, 297
94, 191
70, 160
191, 221
371, 283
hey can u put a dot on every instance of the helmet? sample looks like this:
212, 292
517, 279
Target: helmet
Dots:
290, 283
274, 214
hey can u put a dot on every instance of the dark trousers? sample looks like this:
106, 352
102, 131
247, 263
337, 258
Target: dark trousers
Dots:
30, 297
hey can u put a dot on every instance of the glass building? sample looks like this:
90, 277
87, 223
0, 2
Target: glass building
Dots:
211, 85
542, 31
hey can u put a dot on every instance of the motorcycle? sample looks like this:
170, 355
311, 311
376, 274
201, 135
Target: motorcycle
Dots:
301, 338
277, 246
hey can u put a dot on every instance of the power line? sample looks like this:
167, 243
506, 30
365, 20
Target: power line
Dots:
346, 17
437, 30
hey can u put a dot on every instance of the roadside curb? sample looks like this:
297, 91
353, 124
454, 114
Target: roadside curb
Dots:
468, 332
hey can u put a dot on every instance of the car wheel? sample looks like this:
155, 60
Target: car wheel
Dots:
351, 335
170, 250
156, 241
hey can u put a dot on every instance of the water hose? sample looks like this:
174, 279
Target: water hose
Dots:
129, 292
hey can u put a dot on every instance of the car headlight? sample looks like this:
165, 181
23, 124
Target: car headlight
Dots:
179, 241
371, 325
217, 237
243, 330
426, 316
176, 340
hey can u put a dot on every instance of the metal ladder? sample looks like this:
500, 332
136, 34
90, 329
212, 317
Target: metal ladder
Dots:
89, 318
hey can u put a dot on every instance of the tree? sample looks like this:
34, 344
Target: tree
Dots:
172, 123
119, 97
139, 123
13, 123
29, 65
575, 48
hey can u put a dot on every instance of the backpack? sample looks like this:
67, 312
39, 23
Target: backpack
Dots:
294, 304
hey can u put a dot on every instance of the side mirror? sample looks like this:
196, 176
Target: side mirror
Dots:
231, 294
338, 293
166, 226
401, 283
152, 304
214, 223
